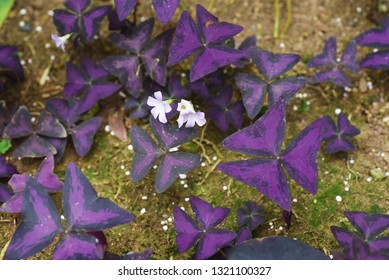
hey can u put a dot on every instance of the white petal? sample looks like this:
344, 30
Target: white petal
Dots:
162, 117
155, 112
191, 122
158, 95
180, 120
151, 101
167, 107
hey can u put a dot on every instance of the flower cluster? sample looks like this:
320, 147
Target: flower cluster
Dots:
187, 115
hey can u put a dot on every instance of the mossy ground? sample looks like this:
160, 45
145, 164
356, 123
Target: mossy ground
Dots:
106, 165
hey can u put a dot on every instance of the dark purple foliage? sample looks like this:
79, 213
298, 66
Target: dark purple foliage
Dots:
339, 137
273, 248
5, 193
6, 169
204, 235
271, 65
223, 112
376, 38
10, 64
124, 8
206, 85
266, 172
84, 211
172, 163
140, 51
333, 68
83, 24
243, 235
35, 145
124, 26
45, 177
88, 82
82, 132
366, 245
245, 47
206, 38
250, 215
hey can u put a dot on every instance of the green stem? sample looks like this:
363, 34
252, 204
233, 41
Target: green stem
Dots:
210, 6
276, 18
288, 17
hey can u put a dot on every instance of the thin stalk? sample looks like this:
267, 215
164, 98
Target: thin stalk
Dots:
276, 18
210, 6
288, 17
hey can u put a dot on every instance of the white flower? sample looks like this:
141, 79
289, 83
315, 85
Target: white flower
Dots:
185, 107
191, 119
60, 41
160, 107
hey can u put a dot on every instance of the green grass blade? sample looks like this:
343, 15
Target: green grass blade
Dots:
5, 7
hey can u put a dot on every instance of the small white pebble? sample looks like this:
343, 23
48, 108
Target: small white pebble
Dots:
22, 12
186, 199
338, 111
338, 20
22, 23
338, 198
95, 37
326, 172
174, 149
122, 167
337, 59
308, 102
107, 128
375, 50
128, 173
183, 75
346, 189
52, 57
155, 167
369, 85
22, 62
382, 154
50, 13
182, 176
165, 227
144, 197
202, 164
270, 223
225, 188
143, 211
295, 108
322, 159
182, 182
331, 257
214, 158
299, 95
29, 60
358, 9
282, 45
305, 95
62, 217
130, 147
281, 228
112, 133
347, 89
47, 45
169, 219
182, 208
315, 201
38, 28
294, 200
387, 174
163, 222
352, 161
142, 18
345, 182
369, 179
185, 186
165, 216
33, 119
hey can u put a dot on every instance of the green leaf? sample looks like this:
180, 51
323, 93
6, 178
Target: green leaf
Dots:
5, 7
5, 145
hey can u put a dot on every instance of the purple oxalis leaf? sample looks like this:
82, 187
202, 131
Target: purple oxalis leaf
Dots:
299, 158
243, 235
170, 135
376, 37
84, 24
6, 169
84, 133
251, 215
209, 240
14, 204
20, 124
146, 153
59, 144
264, 137
67, 111
176, 89
124, 7
206, 214
84, 210
78, 246
266, 175
204, 85
138, 107
124, 26
327, 57
41, 223
273, 65
222, 112
164, 9
206, 37
369, 225
34, 147
378, 60
348, 59
48, 125
286, 87
171, 166
334, 75
10, 63
339, 137
5, 193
